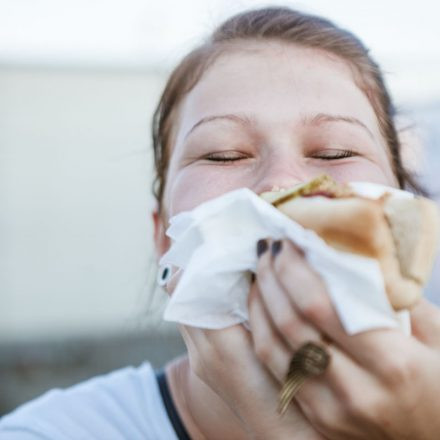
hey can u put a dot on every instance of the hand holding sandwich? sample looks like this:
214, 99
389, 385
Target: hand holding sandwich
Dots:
379, 384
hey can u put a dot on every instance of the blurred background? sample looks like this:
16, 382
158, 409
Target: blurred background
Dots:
78, 83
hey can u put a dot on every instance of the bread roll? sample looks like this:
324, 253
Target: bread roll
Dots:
401, 233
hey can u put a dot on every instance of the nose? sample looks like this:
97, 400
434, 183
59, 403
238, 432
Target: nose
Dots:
281, 171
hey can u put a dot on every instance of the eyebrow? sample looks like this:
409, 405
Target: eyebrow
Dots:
239, 119
325, 117
308, 120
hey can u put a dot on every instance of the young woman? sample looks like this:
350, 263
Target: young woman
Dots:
273, 98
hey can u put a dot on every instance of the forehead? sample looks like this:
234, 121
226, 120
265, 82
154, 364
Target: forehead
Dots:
276, 81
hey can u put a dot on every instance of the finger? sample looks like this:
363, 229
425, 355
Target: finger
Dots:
305, 288
269, 347
226, 341
308, 293
323, 399
229, 352
343, 393
425, 323
328, 398
281, 310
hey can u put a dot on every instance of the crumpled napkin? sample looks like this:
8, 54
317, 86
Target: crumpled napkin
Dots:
215, 245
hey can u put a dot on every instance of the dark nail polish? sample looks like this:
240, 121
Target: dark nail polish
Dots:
276, 247
252, 277
262, 247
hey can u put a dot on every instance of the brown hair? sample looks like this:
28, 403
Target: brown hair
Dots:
289, 26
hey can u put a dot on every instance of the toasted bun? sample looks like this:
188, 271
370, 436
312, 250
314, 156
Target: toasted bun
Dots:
400, 233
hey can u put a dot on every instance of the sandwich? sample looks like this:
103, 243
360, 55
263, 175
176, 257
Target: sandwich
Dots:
400, 232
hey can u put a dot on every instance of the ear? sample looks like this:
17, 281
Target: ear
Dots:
161, 241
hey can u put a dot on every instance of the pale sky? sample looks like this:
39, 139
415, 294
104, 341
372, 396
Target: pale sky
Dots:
403, 35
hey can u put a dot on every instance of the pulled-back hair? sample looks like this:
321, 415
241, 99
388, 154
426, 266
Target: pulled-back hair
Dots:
288, 26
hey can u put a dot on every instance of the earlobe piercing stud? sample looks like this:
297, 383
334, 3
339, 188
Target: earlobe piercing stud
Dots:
164, 275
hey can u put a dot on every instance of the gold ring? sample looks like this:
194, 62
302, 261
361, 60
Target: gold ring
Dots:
311, 359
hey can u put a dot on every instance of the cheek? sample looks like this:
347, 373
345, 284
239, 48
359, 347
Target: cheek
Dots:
190, 188
365, 172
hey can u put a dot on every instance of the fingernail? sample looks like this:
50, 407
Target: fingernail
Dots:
277, 245
261, 247
252, 277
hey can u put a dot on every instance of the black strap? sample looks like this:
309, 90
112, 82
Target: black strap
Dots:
173, 415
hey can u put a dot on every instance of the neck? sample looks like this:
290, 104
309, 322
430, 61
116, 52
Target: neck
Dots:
203, 413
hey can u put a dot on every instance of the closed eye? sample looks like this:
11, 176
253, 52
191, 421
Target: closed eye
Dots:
234, 156
334, 154
227, 156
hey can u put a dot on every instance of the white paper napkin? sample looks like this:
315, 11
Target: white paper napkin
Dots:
215, 245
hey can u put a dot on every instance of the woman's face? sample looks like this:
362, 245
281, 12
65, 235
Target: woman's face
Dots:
268, 116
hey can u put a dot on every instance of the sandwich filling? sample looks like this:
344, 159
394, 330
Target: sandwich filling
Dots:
323, 186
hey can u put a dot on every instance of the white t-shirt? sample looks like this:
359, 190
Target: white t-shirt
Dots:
125, 404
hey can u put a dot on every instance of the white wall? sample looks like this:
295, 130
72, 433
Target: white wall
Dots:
75, 200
